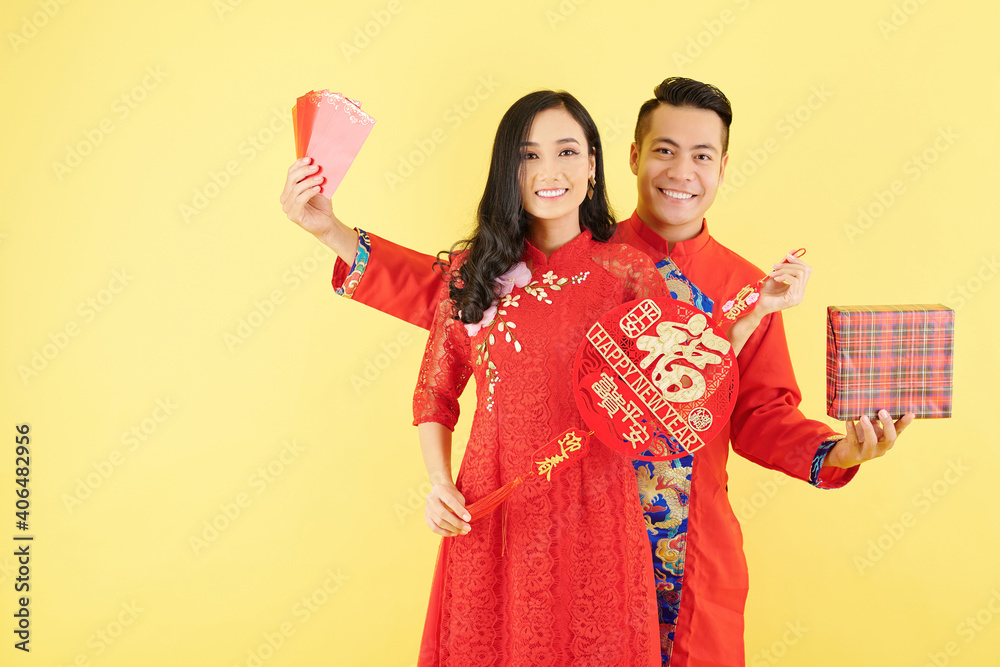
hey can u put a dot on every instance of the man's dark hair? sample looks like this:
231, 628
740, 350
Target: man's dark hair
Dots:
680, 92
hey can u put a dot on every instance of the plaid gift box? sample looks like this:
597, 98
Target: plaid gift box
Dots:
897, 358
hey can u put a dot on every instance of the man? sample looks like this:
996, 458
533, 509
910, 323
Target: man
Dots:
679, 158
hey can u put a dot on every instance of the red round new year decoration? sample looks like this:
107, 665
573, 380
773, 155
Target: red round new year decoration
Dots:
655, 379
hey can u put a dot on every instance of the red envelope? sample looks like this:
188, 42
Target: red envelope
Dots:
303, 115
331, 129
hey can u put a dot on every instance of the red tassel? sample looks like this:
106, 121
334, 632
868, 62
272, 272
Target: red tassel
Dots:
492, 500
569, 446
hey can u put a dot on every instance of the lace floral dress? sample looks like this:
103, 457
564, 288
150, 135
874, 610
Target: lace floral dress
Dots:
561, 574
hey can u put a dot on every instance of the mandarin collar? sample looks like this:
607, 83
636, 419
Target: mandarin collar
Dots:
688, 247
538, 258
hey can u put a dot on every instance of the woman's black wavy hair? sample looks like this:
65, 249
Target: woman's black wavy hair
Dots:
502, 223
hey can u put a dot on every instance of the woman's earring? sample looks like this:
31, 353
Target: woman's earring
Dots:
591, 184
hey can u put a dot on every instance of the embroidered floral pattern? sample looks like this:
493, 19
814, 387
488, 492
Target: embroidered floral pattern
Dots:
554, 282
499, 326
496, 318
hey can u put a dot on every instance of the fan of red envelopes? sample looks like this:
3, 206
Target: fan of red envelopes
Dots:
331, 129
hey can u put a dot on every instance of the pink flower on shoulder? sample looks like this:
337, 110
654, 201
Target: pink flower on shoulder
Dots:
518, 276
488, 316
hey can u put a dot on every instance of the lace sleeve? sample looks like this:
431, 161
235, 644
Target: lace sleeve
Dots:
444, 371
634, 268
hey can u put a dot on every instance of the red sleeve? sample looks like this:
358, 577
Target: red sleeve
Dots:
650, 282
768, 427
444, 371
396, 280
636, 270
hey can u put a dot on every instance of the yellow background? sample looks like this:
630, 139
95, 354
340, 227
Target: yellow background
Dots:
157, 100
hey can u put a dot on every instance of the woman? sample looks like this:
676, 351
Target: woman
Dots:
562, 574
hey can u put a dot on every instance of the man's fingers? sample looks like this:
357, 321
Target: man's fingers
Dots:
794, 278
869, 446
852, 432
889, 433
792, 259
903, 422
784, 273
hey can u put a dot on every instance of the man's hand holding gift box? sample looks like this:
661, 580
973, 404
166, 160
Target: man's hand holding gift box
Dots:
885, 363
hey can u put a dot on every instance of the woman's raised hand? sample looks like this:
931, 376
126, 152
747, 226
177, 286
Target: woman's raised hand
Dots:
305, 206
302, 201
445, 504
